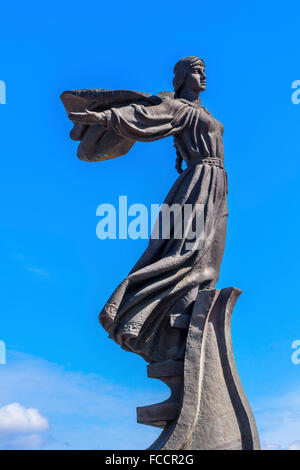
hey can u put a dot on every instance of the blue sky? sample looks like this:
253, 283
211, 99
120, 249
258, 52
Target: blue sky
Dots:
56, 275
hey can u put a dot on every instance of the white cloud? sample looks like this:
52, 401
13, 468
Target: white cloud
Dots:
278, 420
270, 446
15, 419
294, 446
88, 412
22, 441
39, 271
26, 262
85, 410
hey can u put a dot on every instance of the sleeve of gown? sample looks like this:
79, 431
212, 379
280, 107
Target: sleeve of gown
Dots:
148, 123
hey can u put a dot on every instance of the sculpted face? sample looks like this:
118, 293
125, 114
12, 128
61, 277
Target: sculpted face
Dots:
196, 77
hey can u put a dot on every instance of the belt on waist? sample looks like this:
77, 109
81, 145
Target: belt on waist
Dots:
213, 161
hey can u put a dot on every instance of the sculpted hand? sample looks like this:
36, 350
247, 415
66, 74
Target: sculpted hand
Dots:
88, 117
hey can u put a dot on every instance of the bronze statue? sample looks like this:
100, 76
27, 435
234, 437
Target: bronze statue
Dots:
169, 299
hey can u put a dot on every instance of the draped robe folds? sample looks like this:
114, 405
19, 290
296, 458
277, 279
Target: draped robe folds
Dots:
167, 277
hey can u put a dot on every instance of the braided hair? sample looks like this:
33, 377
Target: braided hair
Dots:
178, 163
180, 72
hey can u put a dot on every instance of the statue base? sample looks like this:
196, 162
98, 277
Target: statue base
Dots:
208, 408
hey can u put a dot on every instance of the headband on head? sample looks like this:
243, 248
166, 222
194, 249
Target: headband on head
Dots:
197, 62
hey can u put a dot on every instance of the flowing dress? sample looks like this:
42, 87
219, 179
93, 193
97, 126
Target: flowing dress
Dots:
167, 277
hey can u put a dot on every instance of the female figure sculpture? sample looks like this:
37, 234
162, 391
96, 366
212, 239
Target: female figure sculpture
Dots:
167, 277
142, 314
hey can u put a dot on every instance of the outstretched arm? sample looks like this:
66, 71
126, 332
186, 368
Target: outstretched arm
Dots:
138, 122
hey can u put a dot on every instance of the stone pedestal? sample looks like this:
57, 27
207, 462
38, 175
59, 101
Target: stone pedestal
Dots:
208, 408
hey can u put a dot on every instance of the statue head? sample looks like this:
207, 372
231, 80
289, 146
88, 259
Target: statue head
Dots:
189, 73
